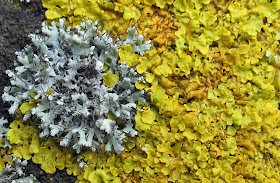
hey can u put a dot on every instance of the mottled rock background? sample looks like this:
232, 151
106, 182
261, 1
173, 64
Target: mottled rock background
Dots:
17, 21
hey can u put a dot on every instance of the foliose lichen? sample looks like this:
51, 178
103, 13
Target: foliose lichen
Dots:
14, 172
214, 111
70, 80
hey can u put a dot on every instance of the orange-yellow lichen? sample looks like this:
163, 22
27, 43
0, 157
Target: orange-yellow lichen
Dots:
159, 26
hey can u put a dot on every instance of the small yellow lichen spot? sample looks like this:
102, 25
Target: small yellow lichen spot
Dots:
13, 137
141, 68
27, 106
128, 56
50, 91
96, 175
35, 144
163, 69
149, 116
129, 13
110, 79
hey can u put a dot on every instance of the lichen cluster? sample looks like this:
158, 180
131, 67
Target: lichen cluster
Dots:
159, 26
71, 82
154, 22
213, 113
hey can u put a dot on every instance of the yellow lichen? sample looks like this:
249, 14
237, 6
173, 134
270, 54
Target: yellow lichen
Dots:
110, 79
159, 26
128, 56
213, 114
4, 156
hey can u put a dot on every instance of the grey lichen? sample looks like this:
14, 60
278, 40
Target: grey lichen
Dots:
27, 179
64, 68
14, 173
3, 132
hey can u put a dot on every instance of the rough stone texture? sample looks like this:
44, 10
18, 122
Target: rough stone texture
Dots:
17, 21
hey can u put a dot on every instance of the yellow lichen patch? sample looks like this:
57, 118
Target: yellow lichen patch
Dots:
127, 8
128, 56
26, 107
110, 79
50, 156
159, 3
105, 166
155, 24
172, 71
26, 144
163, 69
225, 86
57, 9
149, 116
159, 26
20, 135
115, 16
4, 156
